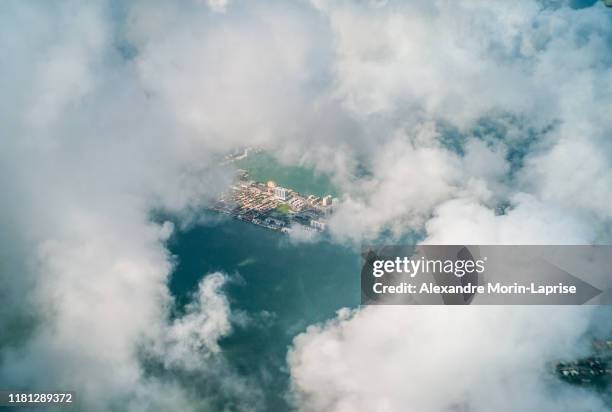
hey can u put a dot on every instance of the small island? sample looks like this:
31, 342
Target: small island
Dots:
274, 207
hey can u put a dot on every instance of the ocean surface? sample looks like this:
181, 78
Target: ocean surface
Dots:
282, 287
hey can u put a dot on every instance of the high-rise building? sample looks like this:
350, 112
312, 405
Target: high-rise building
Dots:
281, 193
327, 201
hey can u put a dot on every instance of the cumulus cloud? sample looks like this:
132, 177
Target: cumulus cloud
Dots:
408, 180
187, 346
461, 63
197, 332
87, 158
529, 222
229, 80
435, 359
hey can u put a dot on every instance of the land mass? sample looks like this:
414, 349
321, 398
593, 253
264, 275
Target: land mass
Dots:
274, 207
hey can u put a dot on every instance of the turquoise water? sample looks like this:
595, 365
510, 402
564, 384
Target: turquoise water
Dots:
282, 286
263, 167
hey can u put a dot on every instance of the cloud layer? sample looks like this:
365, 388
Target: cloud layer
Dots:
435, 359
449, 121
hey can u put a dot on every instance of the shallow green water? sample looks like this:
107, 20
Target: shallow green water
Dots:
263, 167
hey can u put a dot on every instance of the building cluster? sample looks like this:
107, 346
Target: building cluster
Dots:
592, 370
274, 207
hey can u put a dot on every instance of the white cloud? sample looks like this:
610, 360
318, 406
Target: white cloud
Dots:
529, 222
231, 80
218, 5
94, 140
436, 359
408, 180
300, 234
194, 335
86, 157
575, 173
461, 62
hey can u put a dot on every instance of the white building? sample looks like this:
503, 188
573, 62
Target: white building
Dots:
281, 193
327, 201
